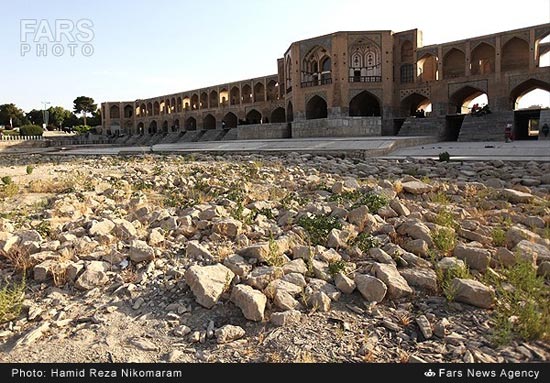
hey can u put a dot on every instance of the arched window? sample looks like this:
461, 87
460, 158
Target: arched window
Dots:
316, 68
365, 65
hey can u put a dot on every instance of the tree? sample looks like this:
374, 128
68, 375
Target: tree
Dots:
58, 115
84, 105
10, 111
96, 118
35, 117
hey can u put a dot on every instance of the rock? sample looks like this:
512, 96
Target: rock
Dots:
495, 183
229, 333
238, 265
371, 288
329, 256
415, 229
90, 279
424, 326
182, 330
545, 179
156, 236
534, 221
259, 251
32, 335
417, 246
303, 252
174, 356
295, 278
516, 234
319, 301
359, 216
140, 251
344, 283
475, 236
381, 256
144, 344
544, 270
229, 227
399, 208
327, 288
532, 252
44, 270
397, 285
102, 227
208, 283
449, 263
321, 270
124, 229
280, 285
473, 293
416, 187
251, 302
260, 277
504, 257
286, 318
423, 278
74, 269
295, 266
516, 196
337, 239
476, 258
387, 212
197, 251
285, 301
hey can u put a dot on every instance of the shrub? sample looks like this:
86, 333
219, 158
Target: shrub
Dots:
82, 129
6, 180
499, 237
444, 239
30, 168
365, 242
444, 277
11, 300
31, 130
318, 227
444, 157
337, 267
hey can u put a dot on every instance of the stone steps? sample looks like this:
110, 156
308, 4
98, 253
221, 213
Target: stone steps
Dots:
230, 135
489, 127
192, 136
212, 135
430, 126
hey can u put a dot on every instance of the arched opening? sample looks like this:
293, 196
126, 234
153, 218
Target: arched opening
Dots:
114, 111
253, 117
365, 104
172, 105
195, 102
515, 55
278, 116
259, 92
365, 62
289, 112
128, 111
179, 105
543, 52
247, 94
416, 105
213, 99
149, 109
204, 101
453, 64
272, 90
153, 127
231, 120
462, 101
406, 74
224, 97
164, 106
191, 124
316, 67
482, 59
156, 108
209, 122
186, 103
427, 68
316, 108
165, 127
140, 129
142, 110
235, 96
531, 94
288, 74
176, 126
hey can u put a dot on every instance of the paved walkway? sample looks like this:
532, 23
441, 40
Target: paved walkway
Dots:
384, 147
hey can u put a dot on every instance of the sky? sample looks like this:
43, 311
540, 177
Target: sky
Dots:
132, 49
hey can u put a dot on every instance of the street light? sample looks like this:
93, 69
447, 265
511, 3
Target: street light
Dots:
45, 114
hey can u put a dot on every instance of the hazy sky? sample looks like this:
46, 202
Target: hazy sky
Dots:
148, 48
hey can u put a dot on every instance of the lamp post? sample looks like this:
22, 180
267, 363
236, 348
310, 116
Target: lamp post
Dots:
45, 114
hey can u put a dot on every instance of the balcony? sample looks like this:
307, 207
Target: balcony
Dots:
365, 79
316, 82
